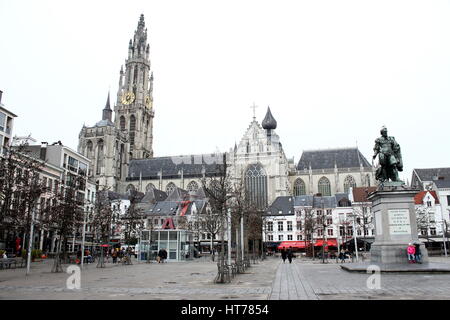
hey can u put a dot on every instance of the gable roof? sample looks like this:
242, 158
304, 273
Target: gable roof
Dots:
418, 198
282, 206
327, 159
442, 183
192, 166
430, 174
360, 194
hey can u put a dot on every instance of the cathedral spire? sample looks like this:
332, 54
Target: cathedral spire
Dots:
107, 112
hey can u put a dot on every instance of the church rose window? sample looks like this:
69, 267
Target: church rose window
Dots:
299, 187
324, 186
256, 185
192, 186
349, 182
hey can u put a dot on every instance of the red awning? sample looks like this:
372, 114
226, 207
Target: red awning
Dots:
328, 243
293, 244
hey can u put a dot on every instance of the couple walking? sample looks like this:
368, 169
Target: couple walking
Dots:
287, 254
414, 254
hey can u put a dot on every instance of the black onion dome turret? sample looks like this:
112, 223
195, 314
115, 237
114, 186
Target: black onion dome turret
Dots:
269, 122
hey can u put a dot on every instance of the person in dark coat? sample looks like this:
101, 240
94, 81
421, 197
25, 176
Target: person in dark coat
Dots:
283, 254
418, 254
160, 255
290, 254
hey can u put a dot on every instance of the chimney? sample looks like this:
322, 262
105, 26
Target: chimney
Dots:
1, 93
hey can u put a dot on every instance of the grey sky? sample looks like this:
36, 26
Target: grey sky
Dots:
333, 72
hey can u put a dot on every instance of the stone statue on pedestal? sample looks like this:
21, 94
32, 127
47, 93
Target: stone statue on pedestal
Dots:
390, 157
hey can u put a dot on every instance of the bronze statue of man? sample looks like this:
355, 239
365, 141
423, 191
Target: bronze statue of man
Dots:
390, 157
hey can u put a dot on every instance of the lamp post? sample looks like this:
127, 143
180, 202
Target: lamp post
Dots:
83, 239
30, 241
443, 232
323, 230
354, 235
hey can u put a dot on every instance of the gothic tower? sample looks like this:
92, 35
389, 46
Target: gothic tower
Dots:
107, 148
134, 108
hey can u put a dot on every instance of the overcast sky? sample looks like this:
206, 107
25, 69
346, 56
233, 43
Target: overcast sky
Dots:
333, 72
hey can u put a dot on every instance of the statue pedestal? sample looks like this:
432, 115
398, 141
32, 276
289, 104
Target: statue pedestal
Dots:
395, 224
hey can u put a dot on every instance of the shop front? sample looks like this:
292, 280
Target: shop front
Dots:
179, 244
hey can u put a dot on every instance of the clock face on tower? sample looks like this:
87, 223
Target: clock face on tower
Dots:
128, 98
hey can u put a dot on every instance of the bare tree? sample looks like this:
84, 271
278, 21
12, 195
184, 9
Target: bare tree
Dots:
132, 222
102, 222
218, 189
66, 214
20, 189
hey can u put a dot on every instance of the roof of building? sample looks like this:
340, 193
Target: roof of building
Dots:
153, 195
442, 183
192, 166
269, 122
103, 123
431, 174
418, 198
282, 206
329, 158
360, 194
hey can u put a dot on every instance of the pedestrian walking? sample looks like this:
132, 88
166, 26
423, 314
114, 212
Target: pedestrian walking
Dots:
114, 256
160, 255
290, 254
283, 254
418, 253
342, 256
411, 250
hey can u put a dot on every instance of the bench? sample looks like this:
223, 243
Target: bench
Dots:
6, 263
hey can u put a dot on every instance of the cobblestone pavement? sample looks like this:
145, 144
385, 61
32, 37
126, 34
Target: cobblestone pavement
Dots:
174, 280
306, 279
269, 279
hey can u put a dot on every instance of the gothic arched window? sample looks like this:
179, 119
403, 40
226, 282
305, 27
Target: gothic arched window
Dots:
324, 186
149, 186
122, 123
349, 182
89, 149
100, 156
132, 129
256, 185
192, 186
299, 187
170, 187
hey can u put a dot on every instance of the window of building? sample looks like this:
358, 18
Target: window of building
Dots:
324, 186
299, 237
423, 231
359, 232
349, 182
329, 212
192, 186
270, 237
82, 170
122, 123
330, 232
270, 226
280, 237
319, 212
289, 237
329, 221
366, 232
319, 232
256, 185
299, 225
433, 231
299, 187
2, 121
72, 164
170, 187
100, 156
428, 203
289, 225
280, 225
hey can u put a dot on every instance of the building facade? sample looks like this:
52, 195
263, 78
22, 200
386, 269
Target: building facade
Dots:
6, 127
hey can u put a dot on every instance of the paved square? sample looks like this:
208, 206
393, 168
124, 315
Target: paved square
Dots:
271, 279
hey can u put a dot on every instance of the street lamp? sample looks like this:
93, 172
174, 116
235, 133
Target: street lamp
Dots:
352, 215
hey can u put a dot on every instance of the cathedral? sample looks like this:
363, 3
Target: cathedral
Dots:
121, 150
